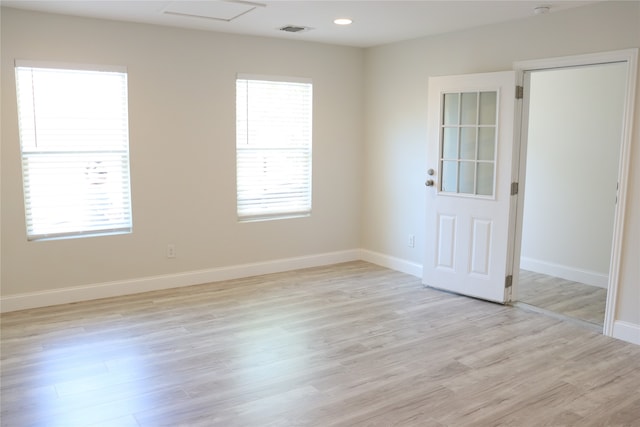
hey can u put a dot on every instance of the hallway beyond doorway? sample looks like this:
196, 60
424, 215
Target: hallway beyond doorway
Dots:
565, 297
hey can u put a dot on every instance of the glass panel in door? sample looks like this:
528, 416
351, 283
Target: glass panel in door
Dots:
468, 143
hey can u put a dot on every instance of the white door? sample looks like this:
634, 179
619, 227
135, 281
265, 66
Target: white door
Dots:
470, 209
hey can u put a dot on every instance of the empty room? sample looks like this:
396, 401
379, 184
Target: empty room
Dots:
320, 213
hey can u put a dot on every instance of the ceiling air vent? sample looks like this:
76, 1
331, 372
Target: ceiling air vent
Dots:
294, 29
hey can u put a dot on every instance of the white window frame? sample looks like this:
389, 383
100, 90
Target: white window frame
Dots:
273, 151
75, 161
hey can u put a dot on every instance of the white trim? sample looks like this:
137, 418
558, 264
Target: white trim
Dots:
623, 174
587, 277
624, 55
393, 263
26, 63
626, 331
269, 78
630, 56
154, 283
167, 281
621, 330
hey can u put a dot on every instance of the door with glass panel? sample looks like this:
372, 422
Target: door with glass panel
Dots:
469, 202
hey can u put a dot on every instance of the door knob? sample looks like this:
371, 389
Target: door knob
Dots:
429, 183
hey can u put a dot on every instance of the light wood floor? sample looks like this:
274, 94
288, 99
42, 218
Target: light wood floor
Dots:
346, 345
572, 299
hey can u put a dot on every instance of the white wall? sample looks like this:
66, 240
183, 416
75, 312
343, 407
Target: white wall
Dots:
182, 145
396, 110
575, 119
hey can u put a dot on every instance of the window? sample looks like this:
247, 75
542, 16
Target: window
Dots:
273, 147
468, 143
74, 140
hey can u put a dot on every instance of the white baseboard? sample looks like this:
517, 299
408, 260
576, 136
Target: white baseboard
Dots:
393, 263
621, 330
626, 331
569, 273
154, 283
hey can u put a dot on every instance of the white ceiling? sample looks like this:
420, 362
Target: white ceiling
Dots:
375, 22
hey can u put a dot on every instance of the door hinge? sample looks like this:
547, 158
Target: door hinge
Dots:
508, 281
514, 188
519, 92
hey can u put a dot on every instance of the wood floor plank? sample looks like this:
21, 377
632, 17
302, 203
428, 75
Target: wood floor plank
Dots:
565, 297
345, 345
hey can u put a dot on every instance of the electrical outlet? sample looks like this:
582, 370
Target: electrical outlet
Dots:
412, 241
171, 250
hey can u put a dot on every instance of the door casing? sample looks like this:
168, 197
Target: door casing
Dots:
630, 57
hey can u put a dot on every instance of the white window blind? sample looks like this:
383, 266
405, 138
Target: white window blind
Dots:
273, 147
74, 140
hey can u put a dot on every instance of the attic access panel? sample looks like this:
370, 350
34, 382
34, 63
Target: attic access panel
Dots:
221, 10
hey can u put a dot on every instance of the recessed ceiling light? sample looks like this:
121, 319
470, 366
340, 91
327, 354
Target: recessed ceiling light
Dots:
342, 21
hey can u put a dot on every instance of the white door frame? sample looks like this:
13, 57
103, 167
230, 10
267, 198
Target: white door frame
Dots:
630, 57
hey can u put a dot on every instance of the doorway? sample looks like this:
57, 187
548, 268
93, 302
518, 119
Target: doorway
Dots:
575, 118
574, 160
